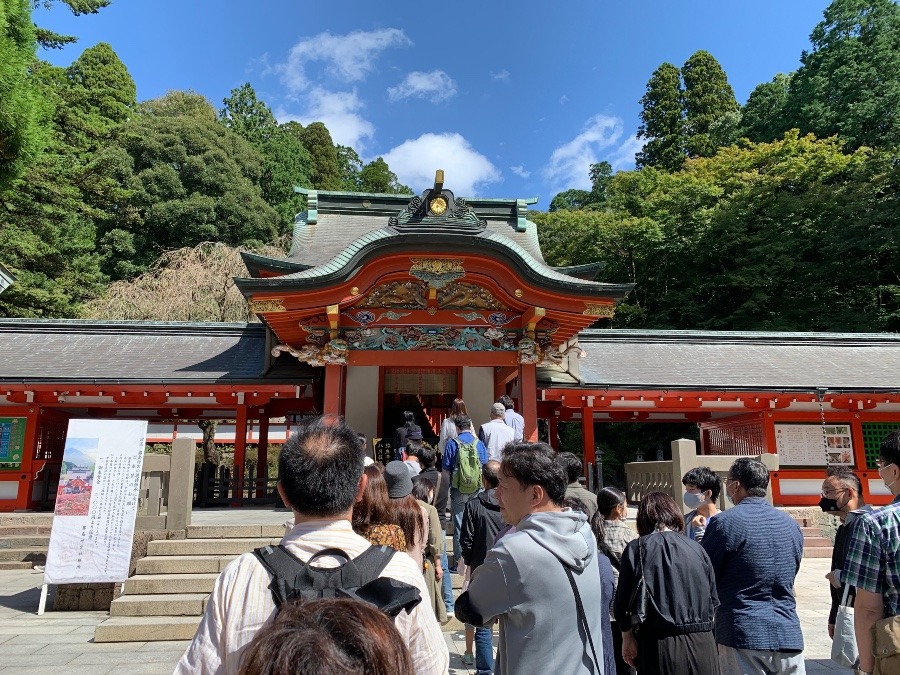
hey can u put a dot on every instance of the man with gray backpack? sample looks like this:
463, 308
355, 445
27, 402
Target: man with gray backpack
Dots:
320, 477
463, 459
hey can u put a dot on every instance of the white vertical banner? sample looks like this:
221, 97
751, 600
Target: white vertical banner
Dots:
96, 502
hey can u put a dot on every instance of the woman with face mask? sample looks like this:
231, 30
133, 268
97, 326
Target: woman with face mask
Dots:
702, 489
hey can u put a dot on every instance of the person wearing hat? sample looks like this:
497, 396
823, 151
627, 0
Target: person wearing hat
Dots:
496, 433
408, 513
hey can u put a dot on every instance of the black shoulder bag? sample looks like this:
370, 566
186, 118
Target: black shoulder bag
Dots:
638, 602
582, 617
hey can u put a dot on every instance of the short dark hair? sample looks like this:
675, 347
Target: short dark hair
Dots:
658, 510
506, 401
890, 448
575, 504
535, 464
705, 479
751, 474
846, 477
423, 451
609, 498
463, 422
335, 635
571, 465
320, 467
421, 487
490, 472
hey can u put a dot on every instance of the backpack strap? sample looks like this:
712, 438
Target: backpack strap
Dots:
281, 566
582, 617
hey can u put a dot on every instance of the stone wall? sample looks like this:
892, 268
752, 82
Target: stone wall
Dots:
97, 597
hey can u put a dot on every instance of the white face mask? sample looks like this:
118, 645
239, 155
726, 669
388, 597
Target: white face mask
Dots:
886, 484
694, 499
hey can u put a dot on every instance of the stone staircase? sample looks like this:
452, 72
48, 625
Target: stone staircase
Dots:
166, 597
815, 543
24, 538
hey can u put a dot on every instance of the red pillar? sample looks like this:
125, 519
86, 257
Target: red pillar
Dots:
528, 400
587, 435
334, 381
240, 447
262, 455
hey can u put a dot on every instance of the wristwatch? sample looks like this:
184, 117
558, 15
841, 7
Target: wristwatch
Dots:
860, 671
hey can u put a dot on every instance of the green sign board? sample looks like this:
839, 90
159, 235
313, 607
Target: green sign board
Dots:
12, 442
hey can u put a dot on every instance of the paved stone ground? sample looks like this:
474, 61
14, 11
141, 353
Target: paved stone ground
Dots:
32, 645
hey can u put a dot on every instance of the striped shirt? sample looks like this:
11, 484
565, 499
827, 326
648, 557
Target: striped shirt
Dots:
241, 603
873, 559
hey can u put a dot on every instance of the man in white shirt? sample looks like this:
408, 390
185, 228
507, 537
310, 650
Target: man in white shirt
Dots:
320, 473
512, 418
496, 433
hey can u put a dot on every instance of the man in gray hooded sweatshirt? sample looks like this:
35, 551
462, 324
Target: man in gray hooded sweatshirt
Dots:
542, 580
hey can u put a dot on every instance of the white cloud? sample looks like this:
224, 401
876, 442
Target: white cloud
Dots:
415, 161
435, 86
348, 57
338, 110
570, 163
502, 75
520, 171
563, 99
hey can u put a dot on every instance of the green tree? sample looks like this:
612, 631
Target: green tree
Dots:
51, 40
849, 84
662, 121
325, 174
349, 166
601, 176
23, 118
711, 111
570, 200
763, 117
193, 180
286, 162
376, 176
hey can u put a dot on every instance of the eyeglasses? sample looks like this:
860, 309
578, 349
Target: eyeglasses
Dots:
830, 493
883, 465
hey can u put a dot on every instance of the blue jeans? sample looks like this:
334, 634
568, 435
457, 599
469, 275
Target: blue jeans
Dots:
458, 502
446, 583
484, 651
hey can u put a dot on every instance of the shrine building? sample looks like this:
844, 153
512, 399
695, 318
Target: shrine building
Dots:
388, 303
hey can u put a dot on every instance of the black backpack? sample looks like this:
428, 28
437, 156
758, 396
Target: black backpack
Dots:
358, 578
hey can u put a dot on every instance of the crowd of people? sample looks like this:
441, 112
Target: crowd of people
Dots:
570, 585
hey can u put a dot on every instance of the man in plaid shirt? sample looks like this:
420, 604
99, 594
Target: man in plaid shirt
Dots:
873, 561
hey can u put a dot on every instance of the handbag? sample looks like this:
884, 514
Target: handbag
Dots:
639, 600
886, 641
843, 649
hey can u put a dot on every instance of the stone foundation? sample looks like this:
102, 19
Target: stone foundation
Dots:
97, 597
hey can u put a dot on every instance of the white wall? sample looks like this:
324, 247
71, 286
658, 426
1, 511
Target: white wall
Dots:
361, 407
478, 393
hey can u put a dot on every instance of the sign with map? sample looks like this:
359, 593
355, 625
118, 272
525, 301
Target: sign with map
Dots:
96, 502
814, 444
12, 442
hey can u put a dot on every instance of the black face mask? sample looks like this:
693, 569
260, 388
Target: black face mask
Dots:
828, 505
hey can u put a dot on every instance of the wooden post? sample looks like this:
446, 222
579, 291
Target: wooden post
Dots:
554, 431
334, 380
587, 435
262, 455
528, 400
240, 447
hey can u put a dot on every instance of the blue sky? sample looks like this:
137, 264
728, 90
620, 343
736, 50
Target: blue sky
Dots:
512, 100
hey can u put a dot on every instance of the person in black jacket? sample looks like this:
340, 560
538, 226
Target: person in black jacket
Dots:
480, 523
674, 577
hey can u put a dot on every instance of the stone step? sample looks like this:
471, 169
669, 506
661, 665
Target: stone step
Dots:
8, 565
26, 519
146, 628
811, 531
207, 546
817, 551
817, 542
36, 554
13, 530
235, 531
183, 564
170, 604
25, 541
157, 584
